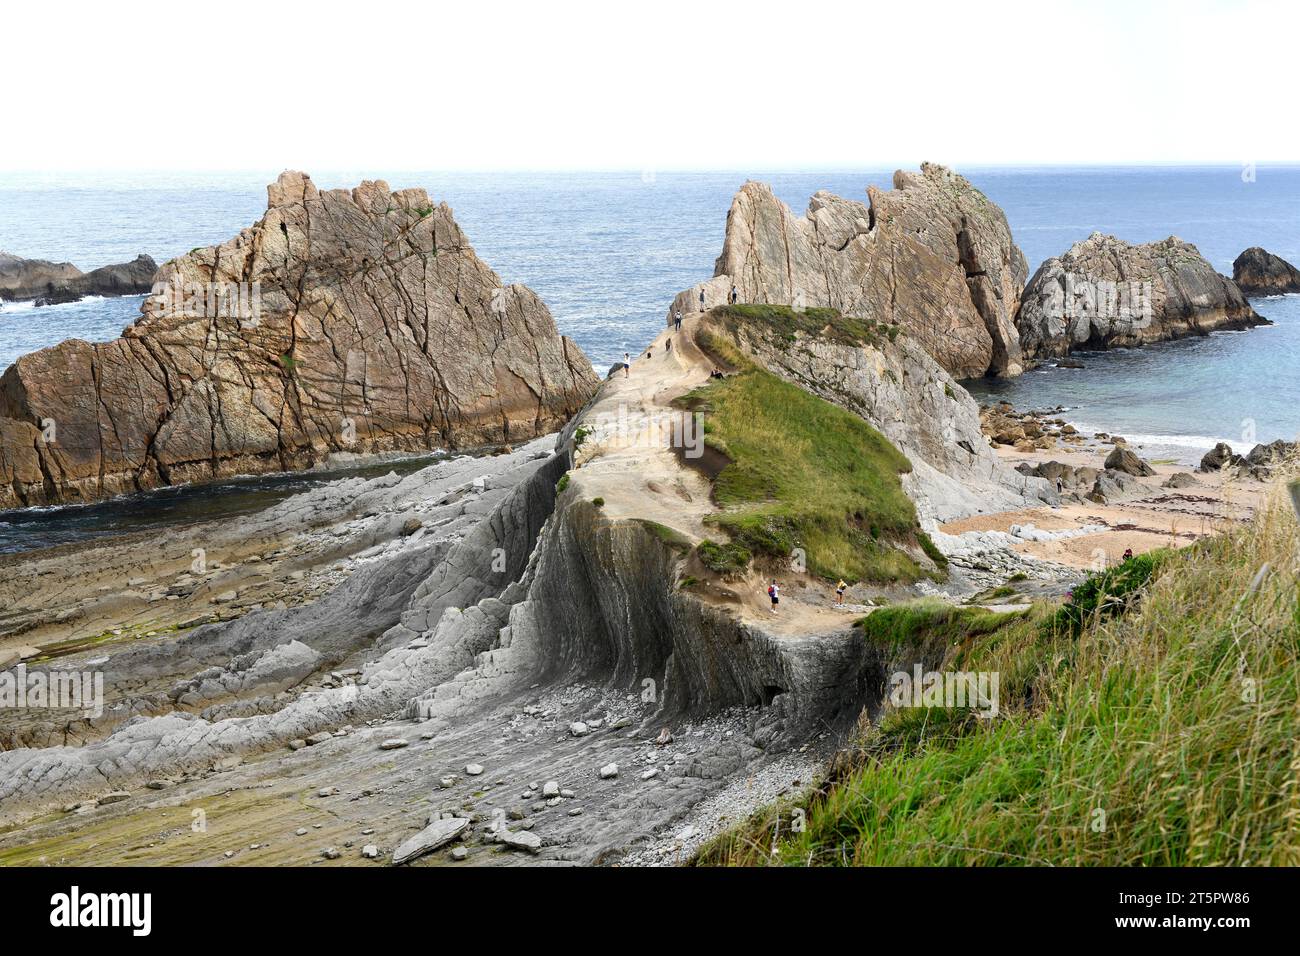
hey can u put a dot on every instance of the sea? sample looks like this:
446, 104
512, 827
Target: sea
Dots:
607, 251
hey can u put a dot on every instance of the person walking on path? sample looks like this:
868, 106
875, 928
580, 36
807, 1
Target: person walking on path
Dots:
677, 320
839, 591
774, 592
627, 365
701, 300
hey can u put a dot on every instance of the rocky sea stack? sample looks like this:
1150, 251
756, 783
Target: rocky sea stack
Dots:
50, 283
1259, 272
344, 321
933, 256
1106, 293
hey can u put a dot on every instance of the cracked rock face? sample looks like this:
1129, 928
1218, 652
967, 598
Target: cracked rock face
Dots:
933, 255
1106, 293
344, 321
1258, 272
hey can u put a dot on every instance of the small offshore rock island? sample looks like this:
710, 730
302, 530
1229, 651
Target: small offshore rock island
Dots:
598, 643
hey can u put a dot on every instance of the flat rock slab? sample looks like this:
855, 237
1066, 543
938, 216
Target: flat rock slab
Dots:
520, 840
436, 834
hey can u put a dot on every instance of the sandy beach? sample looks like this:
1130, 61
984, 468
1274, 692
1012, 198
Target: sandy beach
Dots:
1158, 517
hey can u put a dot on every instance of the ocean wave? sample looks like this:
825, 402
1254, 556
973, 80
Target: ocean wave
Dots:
27, 305
1197, 442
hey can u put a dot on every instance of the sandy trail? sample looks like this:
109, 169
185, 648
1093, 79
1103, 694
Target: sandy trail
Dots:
628, 460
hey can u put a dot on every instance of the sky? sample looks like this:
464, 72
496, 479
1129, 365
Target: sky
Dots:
662, 85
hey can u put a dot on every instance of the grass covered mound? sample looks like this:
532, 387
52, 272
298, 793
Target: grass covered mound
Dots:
1159, 730
909, 625
803, 473
786, 323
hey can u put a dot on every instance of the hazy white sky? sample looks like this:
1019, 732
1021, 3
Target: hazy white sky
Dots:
645, 85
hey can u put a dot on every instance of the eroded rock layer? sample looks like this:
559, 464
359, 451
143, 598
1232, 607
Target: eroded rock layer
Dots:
1106, 293
933, 255
345, 320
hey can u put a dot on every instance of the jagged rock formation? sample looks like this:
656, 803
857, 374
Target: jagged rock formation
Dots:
934, 255
1260, 463
53, 282
1106, 293
1258, 272
346, 320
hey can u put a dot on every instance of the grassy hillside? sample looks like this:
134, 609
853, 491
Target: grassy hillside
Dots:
1156, 723
784, 323
801, 472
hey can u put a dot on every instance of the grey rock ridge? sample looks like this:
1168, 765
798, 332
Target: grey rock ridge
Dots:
1105, 293
1258, 272
489, 670
344, 320
50, 283
933, 255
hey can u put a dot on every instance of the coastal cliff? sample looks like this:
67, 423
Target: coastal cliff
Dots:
1258, 272
879, 309
933, 256
1106, 293
50, 283
344, 321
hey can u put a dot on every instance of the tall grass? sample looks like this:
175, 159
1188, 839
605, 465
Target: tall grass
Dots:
1165, 734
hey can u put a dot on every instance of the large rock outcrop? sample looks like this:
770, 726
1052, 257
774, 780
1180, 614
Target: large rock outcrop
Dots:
345, 320
1258, 272
933, 255
1106, 293
54, 282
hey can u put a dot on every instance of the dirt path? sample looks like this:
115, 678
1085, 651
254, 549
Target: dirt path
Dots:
629, 462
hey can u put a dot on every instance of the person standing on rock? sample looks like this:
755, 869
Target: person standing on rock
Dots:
735, 295
677, 319
701, 300
774, 592
627, 364
839, 591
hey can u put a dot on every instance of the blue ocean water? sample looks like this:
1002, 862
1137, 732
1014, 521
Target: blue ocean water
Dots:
607, 251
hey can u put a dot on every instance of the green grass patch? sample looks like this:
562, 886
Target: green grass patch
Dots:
804, 473
786, 323
726, 559
913, 623
1107, 593
674, 539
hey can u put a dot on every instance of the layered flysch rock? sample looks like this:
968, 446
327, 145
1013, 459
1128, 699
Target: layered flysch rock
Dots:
345, 320
933, 255
1258, 272
1106, 293
53, 282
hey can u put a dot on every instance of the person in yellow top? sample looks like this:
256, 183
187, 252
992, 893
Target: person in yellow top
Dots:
839, 591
